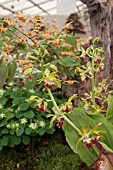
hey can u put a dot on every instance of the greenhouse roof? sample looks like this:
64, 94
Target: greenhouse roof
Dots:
38, 7
31, 7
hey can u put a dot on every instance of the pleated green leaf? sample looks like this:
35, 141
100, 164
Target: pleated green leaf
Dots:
3, 73
11, 70
109, 114
81, 118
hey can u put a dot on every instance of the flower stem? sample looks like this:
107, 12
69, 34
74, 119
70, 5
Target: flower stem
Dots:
93, 80
63, 116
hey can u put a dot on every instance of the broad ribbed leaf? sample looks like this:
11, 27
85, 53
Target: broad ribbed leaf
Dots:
3, 73
11, 70
109, 114
81, 118
106, 147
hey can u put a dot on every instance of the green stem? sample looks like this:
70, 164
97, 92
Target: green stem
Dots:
93, 80
63, 116
42, 67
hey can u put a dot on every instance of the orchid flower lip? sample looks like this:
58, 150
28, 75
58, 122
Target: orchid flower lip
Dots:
87, 140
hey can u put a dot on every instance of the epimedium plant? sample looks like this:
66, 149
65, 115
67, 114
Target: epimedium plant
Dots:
22, 117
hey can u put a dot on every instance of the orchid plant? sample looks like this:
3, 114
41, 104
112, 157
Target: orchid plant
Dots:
90, 135
92, 138
96, 100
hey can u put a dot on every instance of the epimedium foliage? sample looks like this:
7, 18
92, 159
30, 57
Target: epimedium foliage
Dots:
22, 117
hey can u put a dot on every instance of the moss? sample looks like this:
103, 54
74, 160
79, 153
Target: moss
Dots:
58, 157
51, 157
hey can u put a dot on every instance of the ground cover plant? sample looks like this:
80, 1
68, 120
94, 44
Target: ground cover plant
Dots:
20, 120
53, 156
47, 65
